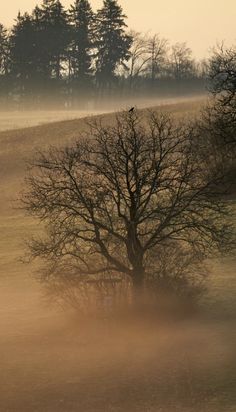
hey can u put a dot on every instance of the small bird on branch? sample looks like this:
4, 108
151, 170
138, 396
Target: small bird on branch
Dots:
131, 110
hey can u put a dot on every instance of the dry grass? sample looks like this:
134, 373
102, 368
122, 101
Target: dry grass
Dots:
13, 120
52, 361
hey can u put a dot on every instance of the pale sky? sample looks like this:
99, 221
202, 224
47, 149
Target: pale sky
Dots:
201, 23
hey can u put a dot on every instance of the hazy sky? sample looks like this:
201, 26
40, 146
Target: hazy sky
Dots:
199, 22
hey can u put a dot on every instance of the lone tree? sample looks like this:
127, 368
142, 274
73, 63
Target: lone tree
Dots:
114, 199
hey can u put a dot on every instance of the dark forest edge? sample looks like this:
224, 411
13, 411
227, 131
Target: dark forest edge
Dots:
80, 58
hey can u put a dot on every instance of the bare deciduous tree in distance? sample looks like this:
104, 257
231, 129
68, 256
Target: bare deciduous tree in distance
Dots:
113, 199
157, 48
139, 56
221, 114
217, 128
181, 62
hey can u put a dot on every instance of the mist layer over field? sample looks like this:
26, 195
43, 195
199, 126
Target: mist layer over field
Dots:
54, 360
16, 119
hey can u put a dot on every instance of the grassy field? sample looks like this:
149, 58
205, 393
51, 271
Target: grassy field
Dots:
53, 361
12, 120
18, 119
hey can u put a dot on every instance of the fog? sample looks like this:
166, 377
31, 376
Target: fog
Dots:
131, 346
53, 359
60, 361
25, 117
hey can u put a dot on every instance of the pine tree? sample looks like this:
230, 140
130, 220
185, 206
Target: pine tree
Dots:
42, 55
81, 18
52, 28
22, 51
4, 51
5, 82
113, 44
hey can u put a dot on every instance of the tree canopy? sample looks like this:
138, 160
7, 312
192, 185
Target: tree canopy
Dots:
115, 199
82, 23
113, 43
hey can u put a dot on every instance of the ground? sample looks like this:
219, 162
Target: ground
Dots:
54, 360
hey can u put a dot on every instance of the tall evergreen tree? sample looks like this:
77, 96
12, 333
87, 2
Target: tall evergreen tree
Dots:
113, 44
52, 28
81, 19
22, 52
4, 62
41, 45
4, 51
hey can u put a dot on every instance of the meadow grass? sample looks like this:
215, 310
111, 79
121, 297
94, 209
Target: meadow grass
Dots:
53, 361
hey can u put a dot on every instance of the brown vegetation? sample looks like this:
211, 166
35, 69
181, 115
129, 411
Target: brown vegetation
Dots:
53, 362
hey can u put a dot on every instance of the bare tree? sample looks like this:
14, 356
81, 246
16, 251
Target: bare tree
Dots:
139, 56
217, 128
222, 111
112, 200
157, 48
148, 56
181, 62
222, 71
202, 68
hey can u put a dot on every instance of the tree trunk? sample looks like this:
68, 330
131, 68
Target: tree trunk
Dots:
138, 286
58, 67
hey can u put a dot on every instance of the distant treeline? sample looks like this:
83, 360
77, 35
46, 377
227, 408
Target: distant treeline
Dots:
69, 54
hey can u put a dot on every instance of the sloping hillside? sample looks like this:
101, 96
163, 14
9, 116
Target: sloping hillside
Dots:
50, 363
